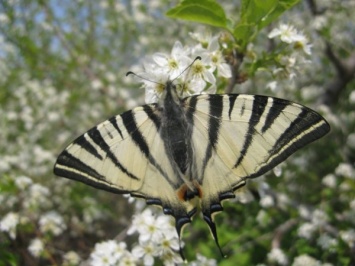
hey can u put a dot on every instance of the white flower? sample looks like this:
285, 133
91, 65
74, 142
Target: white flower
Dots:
23, 182
149, 227
52, 222
171, 258
283, 201
352, 204
267, 201
345, 169
216, 60
304, 260
71, 258
157, 236
319, 22
36, 247
154, 229
202, 37
127, 260
38, 194
4, 19
147, 251
350, 142
108, 253
277, 170
272, 86
278, 256
170, 241
154, 90
348, 237
352, 97
304, 212
287, 33
263, 218
301, 42
306, 230
139, 221
9, 223
96, 84
326, 242
203, 261
201, 72
329, 181
319, 217
174, 64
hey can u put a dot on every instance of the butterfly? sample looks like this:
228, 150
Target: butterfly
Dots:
187, 151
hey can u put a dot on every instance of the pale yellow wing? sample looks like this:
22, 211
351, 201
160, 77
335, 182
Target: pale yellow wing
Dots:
126, 154
236, 137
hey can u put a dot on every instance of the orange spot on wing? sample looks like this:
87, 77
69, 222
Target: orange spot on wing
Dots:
184, 190
181, 192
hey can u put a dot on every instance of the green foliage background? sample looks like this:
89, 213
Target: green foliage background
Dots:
63, 66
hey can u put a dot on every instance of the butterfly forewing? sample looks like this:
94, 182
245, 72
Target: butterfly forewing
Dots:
126, 154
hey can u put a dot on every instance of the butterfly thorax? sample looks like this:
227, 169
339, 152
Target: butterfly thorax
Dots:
175, 130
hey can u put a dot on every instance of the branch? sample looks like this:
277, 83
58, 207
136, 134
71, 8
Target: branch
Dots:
345, 69
314, 8
235, 62
345, 73
281, 230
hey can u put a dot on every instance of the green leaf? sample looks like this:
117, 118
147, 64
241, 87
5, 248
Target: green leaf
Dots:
253, 11
203, 11
242, 33
257, 14
281, 7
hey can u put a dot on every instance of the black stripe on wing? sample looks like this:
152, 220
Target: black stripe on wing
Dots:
71, 162
149, 110
278, 105
130, 123
191, 108
113, 121
215, 113
137, 136
259, 105
86, 145
232, 98
95, 135
75, 169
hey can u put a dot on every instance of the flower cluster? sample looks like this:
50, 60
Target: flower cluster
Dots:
157, 237
288, 57
157, 241
288, 34
193, 76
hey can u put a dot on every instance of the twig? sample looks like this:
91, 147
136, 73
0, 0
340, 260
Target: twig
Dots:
281, 230
235, 62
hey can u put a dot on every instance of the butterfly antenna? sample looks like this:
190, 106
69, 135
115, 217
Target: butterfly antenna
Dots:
188, 67
134, 74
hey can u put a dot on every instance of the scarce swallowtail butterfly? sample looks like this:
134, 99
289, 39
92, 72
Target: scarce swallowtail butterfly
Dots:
201, 147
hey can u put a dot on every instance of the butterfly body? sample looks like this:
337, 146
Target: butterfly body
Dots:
181, 152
